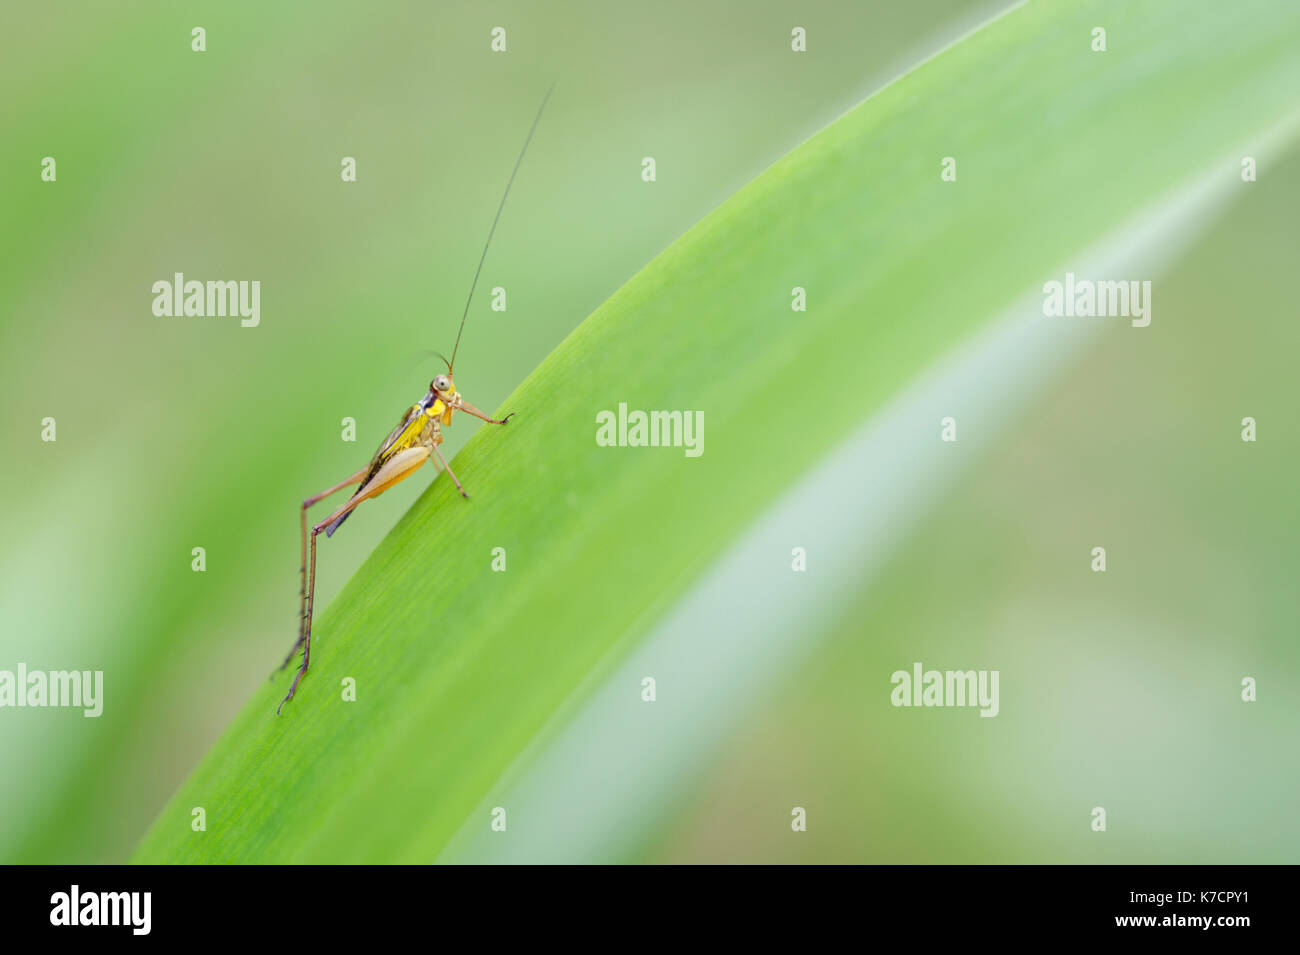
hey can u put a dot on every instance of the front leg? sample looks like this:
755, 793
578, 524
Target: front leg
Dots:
461, 404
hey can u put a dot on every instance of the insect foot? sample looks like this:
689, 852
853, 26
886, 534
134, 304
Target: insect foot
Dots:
293, 689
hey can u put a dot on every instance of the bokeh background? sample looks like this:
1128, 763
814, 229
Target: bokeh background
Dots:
175, 433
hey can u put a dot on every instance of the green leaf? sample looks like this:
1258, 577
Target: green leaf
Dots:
458, 668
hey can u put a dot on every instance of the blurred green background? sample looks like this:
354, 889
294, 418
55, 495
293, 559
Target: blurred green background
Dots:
177, 433
1119, 690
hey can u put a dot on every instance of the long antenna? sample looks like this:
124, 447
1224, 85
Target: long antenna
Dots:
493, 230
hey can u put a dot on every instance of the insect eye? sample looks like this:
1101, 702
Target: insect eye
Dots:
441, 383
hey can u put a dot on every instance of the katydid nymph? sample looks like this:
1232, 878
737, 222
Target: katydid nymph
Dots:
407, 447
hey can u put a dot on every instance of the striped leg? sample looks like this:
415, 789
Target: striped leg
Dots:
302, 591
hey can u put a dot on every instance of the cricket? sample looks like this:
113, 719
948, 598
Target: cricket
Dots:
407, 447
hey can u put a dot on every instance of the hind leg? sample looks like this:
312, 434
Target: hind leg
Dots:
302, 591
400, 466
